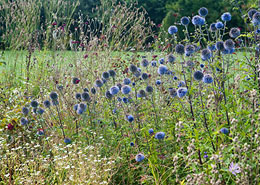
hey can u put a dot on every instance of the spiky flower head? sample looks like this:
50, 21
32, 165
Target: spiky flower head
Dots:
112, 73
172, 30
162, 70
158, 82
144, 76
207, 79
205, 54
251, 13
189, 49
67, 140
212, 47
181, 92
105, 75
53, 96
185, 21
179, 49
224, 131
82, 106
25, 111
149, 89
85, 96
144, 62
40, 111
161, 60
139, 157
130, 118
219, 25
150, 131
173, 92
114, 90
141, 93
226, 17
93, 90
108, 95
171, 58
98, 83
213, 27
24, 121
198, 20
220, 45
198, 75
153, 63
234, 32
159, 135
34, 104
203, 12
137, 74
126, 89
78, 96
229, 44
256, 19
127, 81
133, 68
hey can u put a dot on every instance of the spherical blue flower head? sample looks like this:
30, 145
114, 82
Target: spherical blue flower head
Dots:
34, 104
172, 30
127, 81
175, 78
112, 73
133, 84
189, 49
55, 102
132, 144
181, 92
169, 72
256, 19
229, 44
181, 84
78, 96
108, 95
114, 111
179, 49
224, 130
251, 13
219, 25
226, 17
125, 100
25, 111
139, 157
85, 96
159, 135
257, 31
137, 74
207, 79
185, 21
198, 20
133, 68
220, 45
149, 89
162, 70
114, 90
158, 82
141, 93
53, 96
213, 27
24, 121
206, 54
105, 75
130, 118
206, 156
173, 92
161, 60
234, 32
144, 76
126, 89
202, 65
198, 75
153, 63
93, 90
80, 111
82, 106
203, 12
75, 107
98, 83
144, 62
86, 89
171, 58
67, 140
40, 111
212, 47
150, 131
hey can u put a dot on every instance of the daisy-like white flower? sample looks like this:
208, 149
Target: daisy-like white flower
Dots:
234, 168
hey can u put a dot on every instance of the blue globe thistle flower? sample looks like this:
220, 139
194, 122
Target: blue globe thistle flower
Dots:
105, 75
93, 90
126, 89
213, 27
169, 72
150, 131
144, 76
75, 107
127, 81
203, 12
229, 44
179, 49
189, 49
112, 73
212, 47
185, 21
181, 84
256, 19
207, 79
198, 20
55, 102
220, 45
162, 70
133, 68
149, 89
141, 93
175, 78
251, 13
78, 96
153, 63
130, 118
172, 30
80, 111
219, 25
230, 51
133, 84
132, 144
198, 75
125, 100
226, 17
181, 92
144, 62
40, 110
86, 89
202, 65
108, 95
82, 106
98, 83
234, 32
24, 121
75, 80
173, 92
224, 131
159, 135
114, 90
119, 99
161, 60
139, 157
25, 111
85, 96
114, 111
257, 31
171, 58
34, 104
54, 96
205, 54
158, 82
137, 74
67, 140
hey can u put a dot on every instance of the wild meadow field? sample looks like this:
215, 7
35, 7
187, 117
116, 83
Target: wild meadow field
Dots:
117, 104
